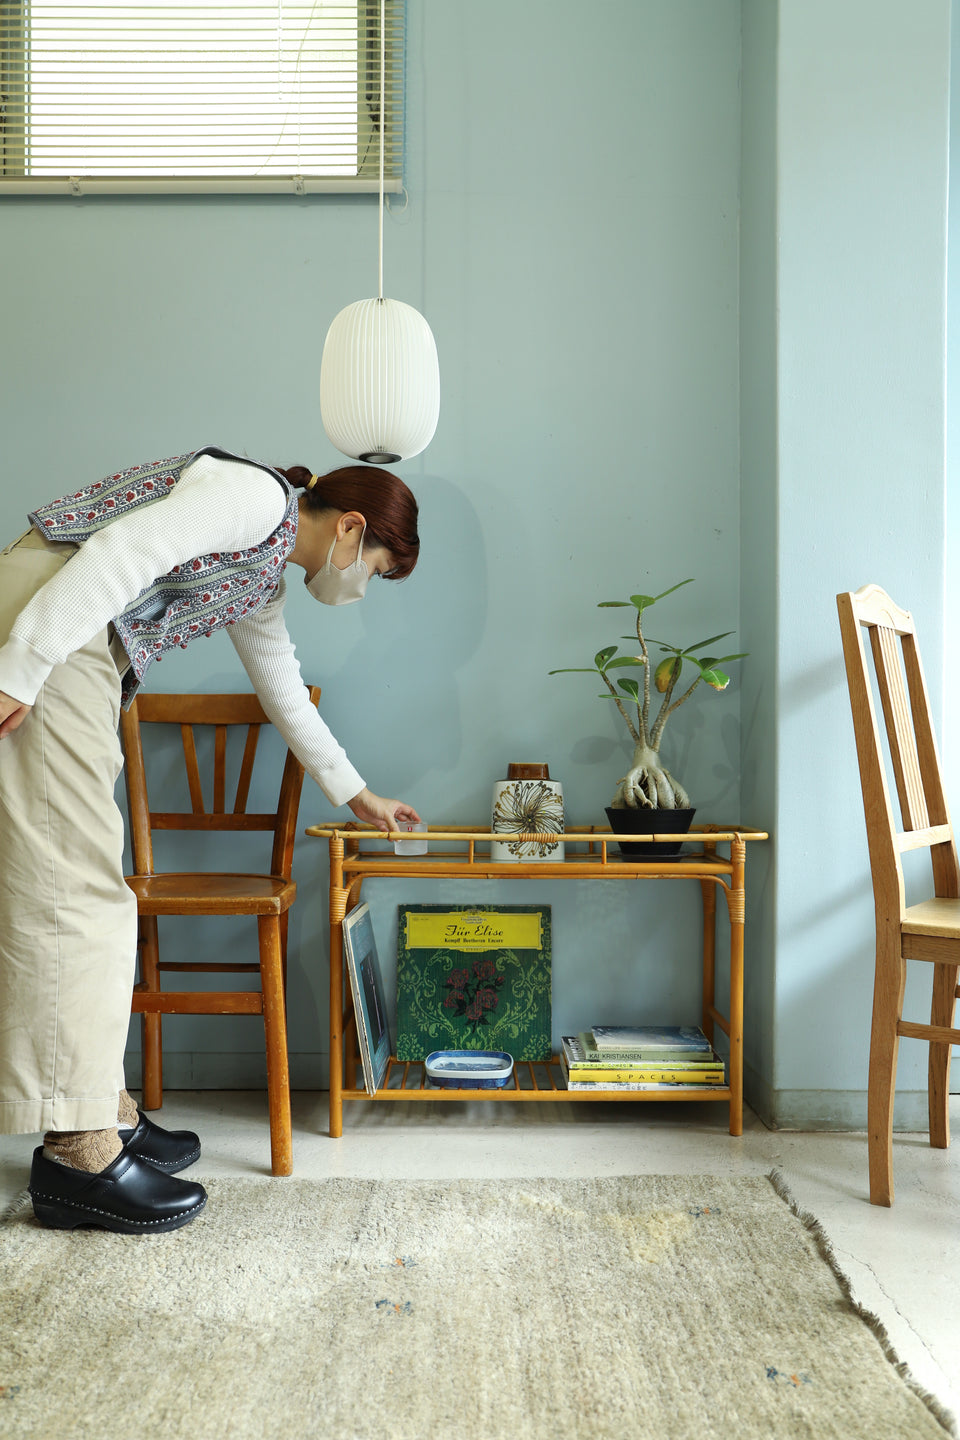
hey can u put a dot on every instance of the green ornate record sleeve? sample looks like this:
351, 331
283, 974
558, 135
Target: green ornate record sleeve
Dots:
473, 978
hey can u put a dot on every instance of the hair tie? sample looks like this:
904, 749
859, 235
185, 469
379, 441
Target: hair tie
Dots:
311, 482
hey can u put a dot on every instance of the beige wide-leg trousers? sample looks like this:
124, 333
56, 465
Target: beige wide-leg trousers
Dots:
68, 921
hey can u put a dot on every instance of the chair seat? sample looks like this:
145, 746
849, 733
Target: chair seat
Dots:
933, 917
212, 894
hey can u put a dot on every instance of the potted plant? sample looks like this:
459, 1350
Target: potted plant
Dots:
648, 799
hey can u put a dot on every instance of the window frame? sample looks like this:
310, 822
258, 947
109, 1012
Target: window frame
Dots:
13, 136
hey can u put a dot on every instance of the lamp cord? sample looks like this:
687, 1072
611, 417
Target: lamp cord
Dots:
383, 76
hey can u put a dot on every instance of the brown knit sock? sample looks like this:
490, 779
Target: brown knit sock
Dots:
91, 1150
127, 1116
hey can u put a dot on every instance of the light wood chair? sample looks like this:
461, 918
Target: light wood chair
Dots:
929, 930
267, 896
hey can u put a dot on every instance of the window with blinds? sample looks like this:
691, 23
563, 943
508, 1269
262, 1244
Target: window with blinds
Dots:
185, 95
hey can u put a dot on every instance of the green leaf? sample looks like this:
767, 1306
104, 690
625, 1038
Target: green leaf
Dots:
613, 604
626, 660
724, 658
573, 671
631, 688
640, 602
716, 679
603, 657
711, 640
672, 588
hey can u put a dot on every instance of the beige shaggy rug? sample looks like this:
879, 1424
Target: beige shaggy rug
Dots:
669, 1307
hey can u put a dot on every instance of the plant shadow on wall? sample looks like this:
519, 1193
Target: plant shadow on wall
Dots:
394, 697
649, 789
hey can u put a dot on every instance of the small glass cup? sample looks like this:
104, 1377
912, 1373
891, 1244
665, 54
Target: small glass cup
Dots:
411, 847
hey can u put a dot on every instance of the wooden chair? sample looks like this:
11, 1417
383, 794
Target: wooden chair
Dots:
266, 896
927, 931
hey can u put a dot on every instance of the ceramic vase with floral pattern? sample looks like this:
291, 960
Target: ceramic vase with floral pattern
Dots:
528, 802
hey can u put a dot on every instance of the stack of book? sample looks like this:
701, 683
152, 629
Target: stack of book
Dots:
640, 1057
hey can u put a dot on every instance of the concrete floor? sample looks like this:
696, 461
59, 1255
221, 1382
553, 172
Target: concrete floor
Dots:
901, 1262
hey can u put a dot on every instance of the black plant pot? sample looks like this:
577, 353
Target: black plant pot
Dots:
649, 822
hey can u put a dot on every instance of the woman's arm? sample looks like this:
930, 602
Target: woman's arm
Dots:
12, 714
385, 814
216, 505
268, 656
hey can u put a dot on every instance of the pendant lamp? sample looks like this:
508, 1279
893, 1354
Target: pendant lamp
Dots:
379, 376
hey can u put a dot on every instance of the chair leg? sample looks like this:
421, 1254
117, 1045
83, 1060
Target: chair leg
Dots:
938, 1072
284, 919
151, 1035
275, 1029
888, 991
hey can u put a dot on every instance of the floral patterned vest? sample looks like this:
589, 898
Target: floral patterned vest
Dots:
192, 599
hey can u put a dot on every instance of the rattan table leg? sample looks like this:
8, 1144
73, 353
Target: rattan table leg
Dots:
736, 907
338, 904
709, 891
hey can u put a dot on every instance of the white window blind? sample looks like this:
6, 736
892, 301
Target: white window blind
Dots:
179, 95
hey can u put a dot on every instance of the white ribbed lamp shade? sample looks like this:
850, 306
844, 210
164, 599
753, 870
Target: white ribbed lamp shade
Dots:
380, 382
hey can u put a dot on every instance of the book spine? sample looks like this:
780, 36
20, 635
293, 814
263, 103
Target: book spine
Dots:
573, 1083
634, 1085
635, 1062
602, 1075
583, 1048
577, 1055
644, 1056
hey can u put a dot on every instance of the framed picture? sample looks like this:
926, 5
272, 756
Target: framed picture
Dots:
366, 985
472, 978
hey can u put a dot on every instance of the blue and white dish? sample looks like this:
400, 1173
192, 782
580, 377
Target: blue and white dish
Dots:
469, 1069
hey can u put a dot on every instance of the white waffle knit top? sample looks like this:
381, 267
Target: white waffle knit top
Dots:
216, 505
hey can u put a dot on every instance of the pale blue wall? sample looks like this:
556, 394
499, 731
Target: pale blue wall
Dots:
759, 687
951, 636
862, 96
571, 235
627, 290
951, 617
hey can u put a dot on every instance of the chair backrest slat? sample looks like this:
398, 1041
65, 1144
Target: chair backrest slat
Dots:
927, 751
220, 770
246, 769
899, 721
201, 709
193, 768
210, 821
912, 747
220, 711
943, 854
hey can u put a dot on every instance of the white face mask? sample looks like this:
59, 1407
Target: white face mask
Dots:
332, 586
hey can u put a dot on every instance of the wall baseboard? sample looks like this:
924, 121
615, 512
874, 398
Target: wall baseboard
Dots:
778, 1109
237, 1070
827, 1109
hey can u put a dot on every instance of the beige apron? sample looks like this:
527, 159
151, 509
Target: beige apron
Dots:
68, 921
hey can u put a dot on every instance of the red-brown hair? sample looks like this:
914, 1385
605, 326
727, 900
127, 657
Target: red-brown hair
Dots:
385, 502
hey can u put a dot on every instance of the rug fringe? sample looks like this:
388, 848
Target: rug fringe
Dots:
936, 1407
16, 1207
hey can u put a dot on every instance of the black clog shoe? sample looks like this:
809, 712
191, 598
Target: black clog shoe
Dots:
169, 1150
131, 1196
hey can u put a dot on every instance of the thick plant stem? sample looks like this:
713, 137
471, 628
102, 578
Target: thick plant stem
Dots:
637, 739
647, 785
644, 714
666, 709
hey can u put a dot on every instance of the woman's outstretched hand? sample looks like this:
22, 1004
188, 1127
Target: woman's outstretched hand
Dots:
12, 713
383, 813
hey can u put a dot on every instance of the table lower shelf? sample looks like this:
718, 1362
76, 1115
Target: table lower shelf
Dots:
406, 1080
